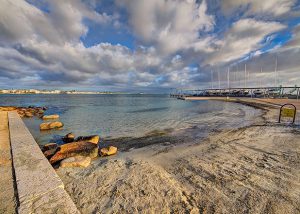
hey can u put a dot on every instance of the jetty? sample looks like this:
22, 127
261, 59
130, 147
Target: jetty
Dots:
29, 184
254, 92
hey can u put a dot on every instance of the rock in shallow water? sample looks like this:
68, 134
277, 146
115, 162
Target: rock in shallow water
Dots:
51, 125
49, 153
77, 161
28, 114
49, 146
69, 138
92, 139
108, 151
86, 149
55, 125
50, 117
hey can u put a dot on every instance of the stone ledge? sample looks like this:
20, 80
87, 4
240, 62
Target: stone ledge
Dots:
56, 201
39, 187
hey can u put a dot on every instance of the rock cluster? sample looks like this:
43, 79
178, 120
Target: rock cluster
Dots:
76, 152
73, 149
29, 111
84, 146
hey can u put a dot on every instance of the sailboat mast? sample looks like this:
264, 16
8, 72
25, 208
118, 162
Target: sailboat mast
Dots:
245, 80
219, 79
211, 76
260, 82
228, 80
276, 81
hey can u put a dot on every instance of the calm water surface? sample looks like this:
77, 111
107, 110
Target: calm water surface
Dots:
130, 115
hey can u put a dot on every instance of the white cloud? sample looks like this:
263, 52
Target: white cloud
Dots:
168, 25
21, 21
259, 7
243, 37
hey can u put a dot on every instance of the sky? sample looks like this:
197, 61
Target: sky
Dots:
148, 45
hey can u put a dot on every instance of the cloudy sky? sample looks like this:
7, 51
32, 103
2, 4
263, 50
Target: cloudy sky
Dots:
148, 45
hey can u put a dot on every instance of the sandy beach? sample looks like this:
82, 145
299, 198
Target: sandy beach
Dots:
254, 169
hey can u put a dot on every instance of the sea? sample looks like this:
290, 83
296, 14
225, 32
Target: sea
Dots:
129, 115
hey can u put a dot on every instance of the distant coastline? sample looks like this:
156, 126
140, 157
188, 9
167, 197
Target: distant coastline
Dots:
36, 91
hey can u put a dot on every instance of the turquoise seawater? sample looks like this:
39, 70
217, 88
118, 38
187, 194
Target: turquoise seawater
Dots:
130, 115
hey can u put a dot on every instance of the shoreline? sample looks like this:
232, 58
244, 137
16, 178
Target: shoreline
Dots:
254, 168
250, 169
172, 136
263, 102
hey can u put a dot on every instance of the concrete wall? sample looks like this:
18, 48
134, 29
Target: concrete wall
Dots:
40, 190
7, 188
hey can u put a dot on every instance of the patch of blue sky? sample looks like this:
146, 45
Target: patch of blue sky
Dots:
275, 40
104, 33
293, 22
193, 67
267, 44
40, 4
160, 80
106, 6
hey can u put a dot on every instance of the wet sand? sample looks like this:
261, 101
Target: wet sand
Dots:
254, 169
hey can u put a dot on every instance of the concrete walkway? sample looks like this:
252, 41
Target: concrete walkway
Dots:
40, 190
7, 191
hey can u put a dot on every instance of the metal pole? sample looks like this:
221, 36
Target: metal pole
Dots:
245, 80
276, 72
238, 76
219, 79
260, 82
228, 80
234, 75
212, 85
248, 74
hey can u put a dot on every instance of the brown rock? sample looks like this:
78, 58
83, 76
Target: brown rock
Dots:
55, 125
77, 161
52, 125
49, 146
108, 151
28, 114
21, 113
73, 149
44, 126
49, 153
50, 117
69, 138
92, 139
40, 111
39, 115
32, 110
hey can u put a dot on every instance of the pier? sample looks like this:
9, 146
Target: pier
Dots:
256, 92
